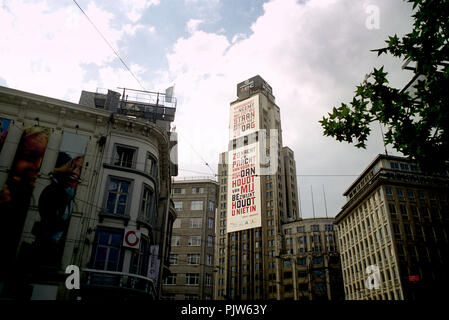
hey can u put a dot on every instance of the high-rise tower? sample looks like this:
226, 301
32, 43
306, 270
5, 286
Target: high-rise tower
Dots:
257, 195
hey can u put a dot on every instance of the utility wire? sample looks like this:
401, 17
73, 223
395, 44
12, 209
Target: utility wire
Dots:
109, 44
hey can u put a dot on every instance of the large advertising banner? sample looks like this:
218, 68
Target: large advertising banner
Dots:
4, 127
244, 203
57, 199
18, 189
244, 118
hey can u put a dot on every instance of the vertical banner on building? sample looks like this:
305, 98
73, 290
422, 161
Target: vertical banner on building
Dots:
154, 265
244, 202
244, 118
16, 194
4, 127
57, 199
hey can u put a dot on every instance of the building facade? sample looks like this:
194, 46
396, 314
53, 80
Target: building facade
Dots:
393, 233
310, 261
193, 240
246, 260
85, 185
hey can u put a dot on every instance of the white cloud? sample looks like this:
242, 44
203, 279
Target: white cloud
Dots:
132, 29
313, 54
136, 8
192, 25
151, 29
43, 49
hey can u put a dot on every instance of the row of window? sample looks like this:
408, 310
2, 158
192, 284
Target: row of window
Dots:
403, 166
194, 223
108, 252
198, 190
313, 228
190, 279
118, 194
125, 156
193, 241
192, 258
195, 205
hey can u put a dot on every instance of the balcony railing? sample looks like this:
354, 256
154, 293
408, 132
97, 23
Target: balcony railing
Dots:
102, 278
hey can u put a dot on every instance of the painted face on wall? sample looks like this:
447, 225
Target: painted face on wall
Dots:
70, 171
29, 157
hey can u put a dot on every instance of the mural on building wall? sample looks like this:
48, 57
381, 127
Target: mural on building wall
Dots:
17, 191
57, 199
4, 127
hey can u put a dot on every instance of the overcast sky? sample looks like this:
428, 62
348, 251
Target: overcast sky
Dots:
313, 53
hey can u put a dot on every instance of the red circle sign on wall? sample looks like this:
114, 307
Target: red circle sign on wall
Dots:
131, 238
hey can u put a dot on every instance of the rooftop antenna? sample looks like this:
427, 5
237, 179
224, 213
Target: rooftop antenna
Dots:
313, 205
325, 205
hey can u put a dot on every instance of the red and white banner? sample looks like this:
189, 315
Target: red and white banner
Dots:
244, 203
244, 118
131, 238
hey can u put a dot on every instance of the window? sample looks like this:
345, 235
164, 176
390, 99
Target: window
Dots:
287, 275
288, 231
151, 165
316, 238
194, 241
179, 191
189, 296
211, 205
195, 223
208, 279
394, 165
302, 240
317, 260
209, 260
210, 223
193, 258
178, 205
287, 264
404, 166
421, 195
403, 209
117, 198
196, 205
400, 194
392, 209
107, 249
301, 229
315, 227
301, 261
197, 190
171, 279
396, 229
124, 156
173, 258
146, 206
389, 193
175, 241
411, 195
329, 227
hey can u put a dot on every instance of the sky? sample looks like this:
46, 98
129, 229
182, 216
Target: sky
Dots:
313, 53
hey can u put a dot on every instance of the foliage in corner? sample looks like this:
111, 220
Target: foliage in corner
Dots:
417, 119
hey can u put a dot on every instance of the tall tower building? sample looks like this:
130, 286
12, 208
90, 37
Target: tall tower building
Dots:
257, 195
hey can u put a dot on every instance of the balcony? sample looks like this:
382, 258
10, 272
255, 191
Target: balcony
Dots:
115, 283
